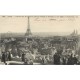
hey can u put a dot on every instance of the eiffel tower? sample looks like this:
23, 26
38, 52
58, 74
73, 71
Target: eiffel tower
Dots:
28, 32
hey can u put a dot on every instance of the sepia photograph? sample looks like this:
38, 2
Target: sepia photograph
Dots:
40, 40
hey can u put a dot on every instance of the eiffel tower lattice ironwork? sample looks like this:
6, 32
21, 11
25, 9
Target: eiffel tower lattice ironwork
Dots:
28, 32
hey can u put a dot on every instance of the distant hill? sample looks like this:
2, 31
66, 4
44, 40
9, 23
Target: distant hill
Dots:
41, 34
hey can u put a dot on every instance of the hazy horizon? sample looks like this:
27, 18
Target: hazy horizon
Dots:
42, 33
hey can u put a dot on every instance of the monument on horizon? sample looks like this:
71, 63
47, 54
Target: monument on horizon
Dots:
28, 33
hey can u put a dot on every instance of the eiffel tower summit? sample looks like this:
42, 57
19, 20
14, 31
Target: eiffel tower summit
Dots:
28, 33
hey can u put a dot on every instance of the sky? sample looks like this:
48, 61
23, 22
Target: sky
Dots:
19, 24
